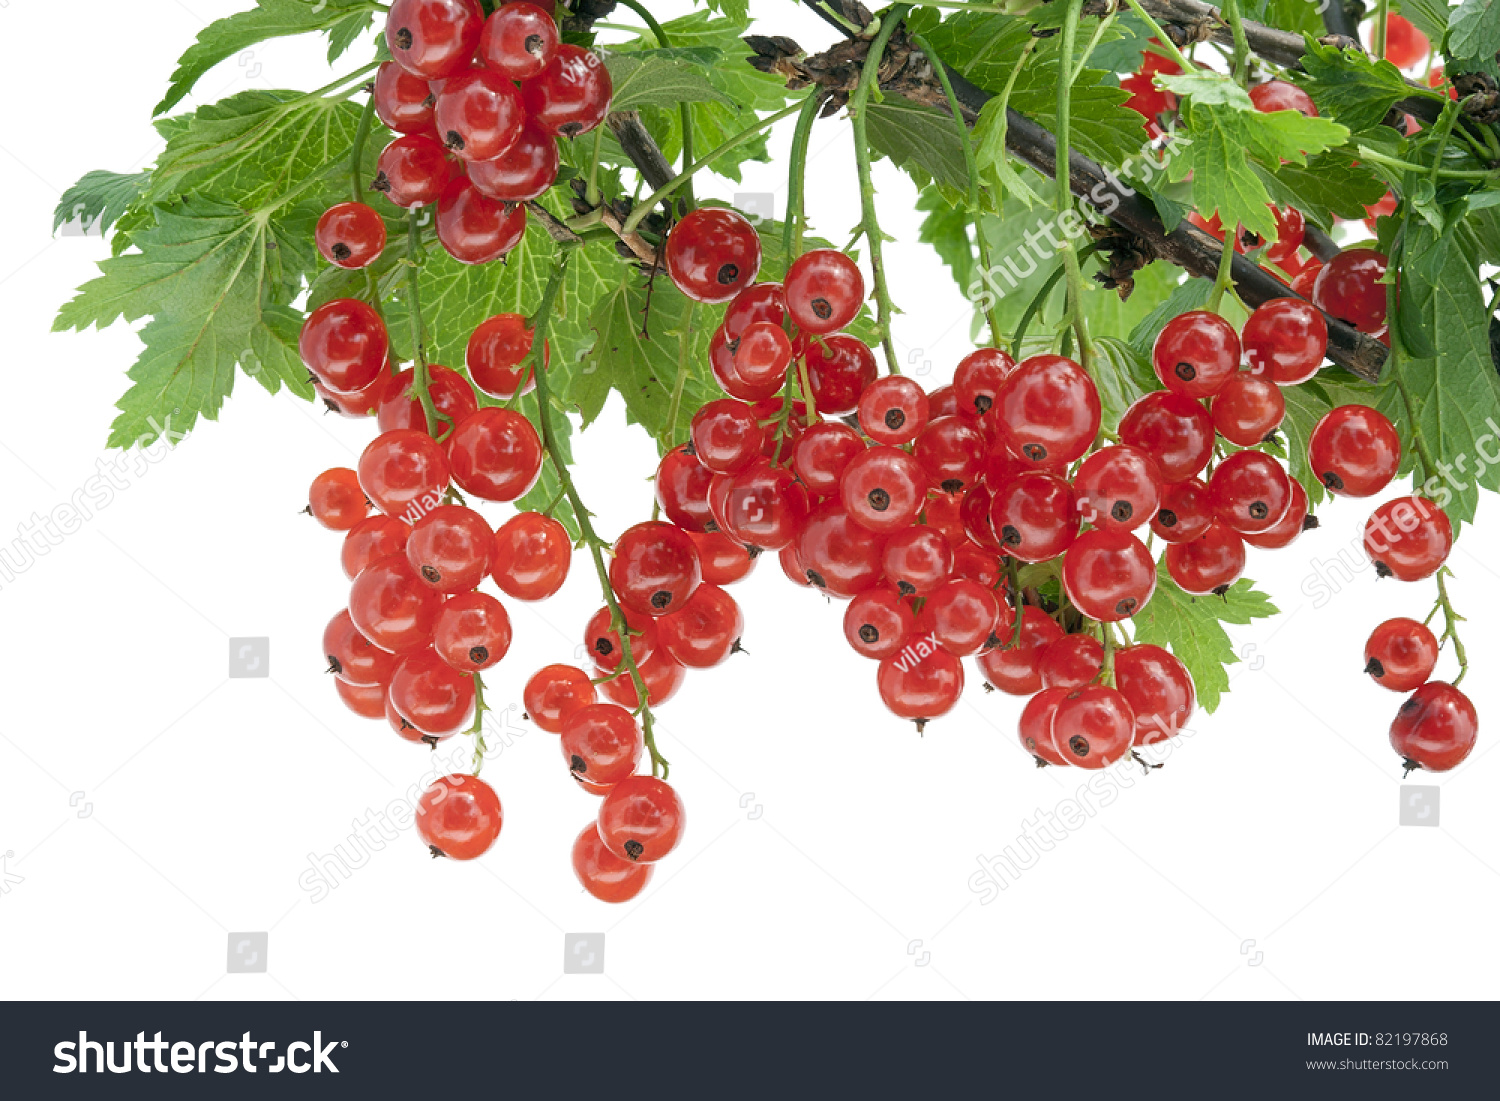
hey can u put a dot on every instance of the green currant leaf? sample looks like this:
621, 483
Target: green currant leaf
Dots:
1351, 86
100, 198
1329, 184
663, 78
918, 139
1474, 30
946, 229
1192, 627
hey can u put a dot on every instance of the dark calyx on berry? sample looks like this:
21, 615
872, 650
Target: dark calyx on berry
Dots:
869, 634
1375, 669
1121, 511
1187, 372
906, 588
334, 665
894, 419
982, 404
342, 251
454, 140
1126, 606
815, 578
633, 849
1309, 522
952, 485
728, 273
403, 38
534, 45
578, 764
479, 654
1079, 745
1167, 518
1259, 510
1382, 570
431, 574
821, 307
603, 647
661, 598
879, 500
382, 182
1035, 452
1010, 536
1332, 480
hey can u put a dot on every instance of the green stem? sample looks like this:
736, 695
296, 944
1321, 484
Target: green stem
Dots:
1444, 132
1451, 620
591, 191
357, 154
478, 728
1224, 278
1395, 163
1064, 191
341, 81
684, 107
659, 764
1161, 36
1382, 14
972, 167
868, 79
645, 206
796, 184
1098, 35
1040, 299
421, 377
1241, 67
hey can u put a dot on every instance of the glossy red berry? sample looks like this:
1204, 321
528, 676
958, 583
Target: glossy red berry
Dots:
1108, 575
761, 506
1404, 44
336, 500
352, 657
1208, 564
495, 352
404, 473
1174, 430
433, 38
373, 537
682, 490
451, 394
1016, 669
603, 642
392, 607
921, 681
459, 816
571, 95
977, 379
1291, 230
518, 40
704, 631
496, 455
1035, 516
344, 344
1196, 353
601, 743
1159, 690
951, 450
1249, 491
641, 820
403, 101
757, 302
357, 405
1354, 451
823, 291
917, 560
413, 170
1248, 409
962, 615
478, 115
878, 622
1118, 487
655, 568
1278, 95
727, 375
893, 410
1183, 513
1035, 726
1401, 654
1049, 410
1349, 288
607, 877
1286, 530
724, 560
531, 556
662, 675
475, 229
523, 172
350, 235
837, 554
727, 435
366, 701
977, 564
554, 692
1285, 341
450, 548
839, 369
472, 632
713, 254
1071, 662
1093, 726
822, 453
1408, 538
883, 489
431, 695
763, 353
1436, 728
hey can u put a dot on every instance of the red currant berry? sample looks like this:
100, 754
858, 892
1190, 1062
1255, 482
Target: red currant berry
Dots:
1108, 575
704, 631
475, 229
1118, 487
1404, 44
602, 743
604, 875
724, 560
478, 115
1278, 95
431, 695
663, 677
893, 410
532, 555
352, 657
571, 95
495, 353
450, 548
1436, 728
336, 501
413, 170
977, 380
1093, 726
1071, 662
974, 512
523, 172
1408, 538
1401, 654
518, 41
727, 375
496, 455
1249, 491
1292, 523
944, 513
839, 369
822, 454
878, 622
713, 254
350, 235
682, 490
921, 681
366, 701
472, 632
951, 451
763, 506
824, 290
1159, 690
977, 564
655, 568
392, 607
357, 405
1184, 512
603, 642
838, 555
344, 344
1248, 409
883, 489
1035, 516
1049, 410
1174, 430
1291, 230
1196, 353
962, 615
1035, 728
433, 38
727, 435
451, 395
404, 472
1349, 288
1208, 564
459, 816
403, 101
763, 354
554, 692
1016, 669
1354, 451
641, 820
917, 560
372, 538
757, 302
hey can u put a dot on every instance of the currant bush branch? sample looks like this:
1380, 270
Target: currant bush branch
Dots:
1064, 196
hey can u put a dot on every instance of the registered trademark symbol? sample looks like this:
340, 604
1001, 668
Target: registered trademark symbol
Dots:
344, 1043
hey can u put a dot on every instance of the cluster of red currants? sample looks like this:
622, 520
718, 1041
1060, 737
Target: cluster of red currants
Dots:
478, 105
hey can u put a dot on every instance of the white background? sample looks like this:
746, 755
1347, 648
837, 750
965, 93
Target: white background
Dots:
825, 840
